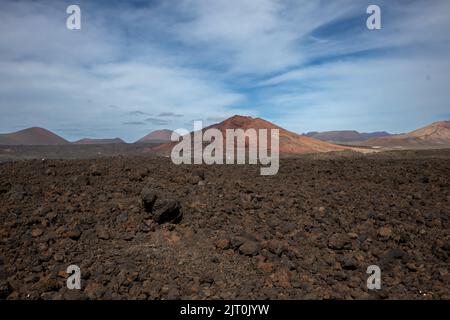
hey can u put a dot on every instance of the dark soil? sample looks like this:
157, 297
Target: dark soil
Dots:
143, 228
72, 151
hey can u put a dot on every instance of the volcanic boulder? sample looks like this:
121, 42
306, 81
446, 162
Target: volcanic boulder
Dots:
167, 210
161, 210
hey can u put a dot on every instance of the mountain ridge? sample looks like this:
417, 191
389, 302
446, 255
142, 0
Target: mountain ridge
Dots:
339, 136
290, 142
434, 135
157, 136
32, 137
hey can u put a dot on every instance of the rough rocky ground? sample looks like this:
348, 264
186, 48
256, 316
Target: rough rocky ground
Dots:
72, 151
310, 231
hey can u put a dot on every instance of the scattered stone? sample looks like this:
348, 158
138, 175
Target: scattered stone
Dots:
123, 217
148, 197
194, 179
103, 233
4, 287
37, 232
339, 241
173, 293
384, 232
94, 170
283, 246
349, 263
73, 233
237, 241
441, 249
281, 278
275, 246
249, 248
127, 236
223, 244
273, 223
425, 179
94, 290
265, 266
51, 216
80, 180
412, 267
63, 274
143, 172
288, 227
59, 257
352, 235
17, 192
395, 254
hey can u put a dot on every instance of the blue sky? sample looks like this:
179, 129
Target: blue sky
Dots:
136, 66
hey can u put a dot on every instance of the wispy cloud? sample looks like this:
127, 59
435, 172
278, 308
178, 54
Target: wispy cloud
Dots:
170, 115
134, 123
307, 65
137, 113
156, 121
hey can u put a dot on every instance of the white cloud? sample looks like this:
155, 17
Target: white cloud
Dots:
56, 78
49, 94
254, 37
356, 94
212, 59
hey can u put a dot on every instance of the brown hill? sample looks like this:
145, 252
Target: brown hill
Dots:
290, 142
99, 141
435, 135
32, 136
158, 136
343, 136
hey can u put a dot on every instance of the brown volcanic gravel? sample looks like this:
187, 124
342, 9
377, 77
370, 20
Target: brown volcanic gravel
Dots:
311, 231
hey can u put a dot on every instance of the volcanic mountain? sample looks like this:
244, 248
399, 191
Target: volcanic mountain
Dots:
343, 136
32, 136
99, 141
290, 142
158, 136
435, 135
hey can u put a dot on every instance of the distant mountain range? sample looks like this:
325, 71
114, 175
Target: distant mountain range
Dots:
99, 141
345, 135
435, 135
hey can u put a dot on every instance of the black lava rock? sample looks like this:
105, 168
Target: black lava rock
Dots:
167, 210
148, 199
